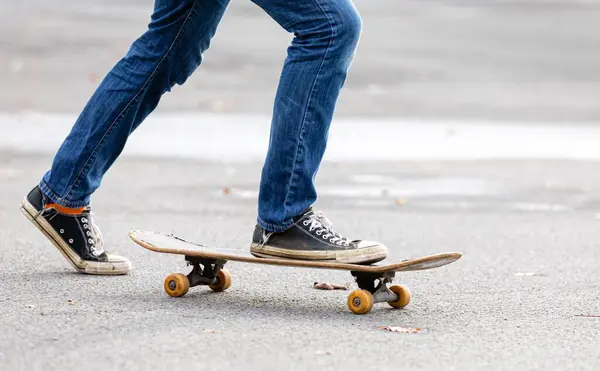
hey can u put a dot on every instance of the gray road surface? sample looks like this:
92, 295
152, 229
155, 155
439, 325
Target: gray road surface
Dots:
510, 219
493, 60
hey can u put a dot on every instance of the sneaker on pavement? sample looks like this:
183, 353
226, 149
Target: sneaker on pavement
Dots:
312, 237
74, 234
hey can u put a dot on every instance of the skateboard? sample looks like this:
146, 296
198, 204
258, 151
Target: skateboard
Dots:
208, 262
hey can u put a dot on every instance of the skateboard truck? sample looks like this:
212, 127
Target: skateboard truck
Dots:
379, 289
373, 288
207, 272
204, 271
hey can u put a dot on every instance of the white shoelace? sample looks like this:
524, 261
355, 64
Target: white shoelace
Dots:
95, 240
93, 231
324, 228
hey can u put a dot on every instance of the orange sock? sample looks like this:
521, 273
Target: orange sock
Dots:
65, 210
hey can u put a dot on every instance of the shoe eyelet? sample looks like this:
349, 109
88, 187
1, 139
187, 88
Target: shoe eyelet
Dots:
83, 220
62, 231
85, 226
90, 241
70, 240
305, 223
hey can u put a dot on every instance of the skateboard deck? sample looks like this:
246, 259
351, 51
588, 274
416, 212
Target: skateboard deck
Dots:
208, 263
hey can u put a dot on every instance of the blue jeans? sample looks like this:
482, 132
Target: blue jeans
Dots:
326, 35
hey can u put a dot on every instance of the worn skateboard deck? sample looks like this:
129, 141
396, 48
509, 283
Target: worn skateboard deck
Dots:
208, 269
170, 244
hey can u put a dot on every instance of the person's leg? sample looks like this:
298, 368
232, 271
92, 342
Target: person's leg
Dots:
326, 35
165, 55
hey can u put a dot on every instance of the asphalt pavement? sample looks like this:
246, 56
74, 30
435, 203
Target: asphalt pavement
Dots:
522, 297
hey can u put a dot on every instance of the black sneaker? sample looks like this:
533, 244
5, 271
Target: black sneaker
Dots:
312, 238
74, 235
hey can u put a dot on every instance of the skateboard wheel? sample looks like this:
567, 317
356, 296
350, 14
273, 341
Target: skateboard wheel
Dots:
176, 285
404, 296
360, 301
224, 281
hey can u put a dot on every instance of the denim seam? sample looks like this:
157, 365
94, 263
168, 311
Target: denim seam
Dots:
274, 228
92, 157
291, 182
55, 198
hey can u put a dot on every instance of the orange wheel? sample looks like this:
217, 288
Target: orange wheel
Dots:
360, 301
176, 285
404, 296
224, 281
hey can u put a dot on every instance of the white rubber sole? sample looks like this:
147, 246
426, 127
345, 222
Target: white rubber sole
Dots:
370, 254
119, 267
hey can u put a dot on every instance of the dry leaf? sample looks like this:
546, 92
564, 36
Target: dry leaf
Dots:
70, 301
329, 286
400, 202
403, 330
588, 315
226, 191
30, 306
210, 331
